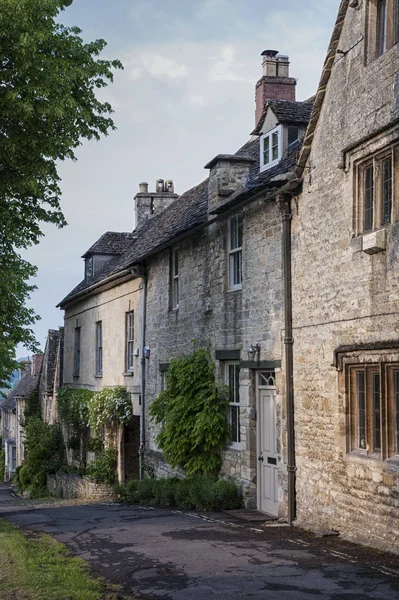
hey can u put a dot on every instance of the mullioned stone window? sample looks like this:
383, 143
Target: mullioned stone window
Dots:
377, 196
371, 384
382, 27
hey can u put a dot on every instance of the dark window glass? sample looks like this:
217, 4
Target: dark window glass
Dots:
377, 411
396, 408
99, 348
266, 150
293, 135
76, 366
387, 189
368, 198
361, 409
234, 397
381, 37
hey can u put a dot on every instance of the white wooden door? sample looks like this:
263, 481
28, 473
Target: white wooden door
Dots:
267, 452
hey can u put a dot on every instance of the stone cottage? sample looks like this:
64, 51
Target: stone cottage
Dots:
345, 284
12, 411
204, 266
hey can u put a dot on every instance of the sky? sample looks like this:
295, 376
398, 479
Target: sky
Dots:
185, 95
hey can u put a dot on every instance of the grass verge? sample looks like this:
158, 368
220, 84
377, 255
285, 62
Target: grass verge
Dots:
40, 569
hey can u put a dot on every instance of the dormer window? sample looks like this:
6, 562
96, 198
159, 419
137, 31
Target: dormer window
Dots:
270, 148
89, 269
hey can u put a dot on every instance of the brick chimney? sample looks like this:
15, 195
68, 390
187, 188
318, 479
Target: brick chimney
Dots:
37, 360
276, 83
149, 204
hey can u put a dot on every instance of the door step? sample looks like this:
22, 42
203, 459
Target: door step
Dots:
249, 515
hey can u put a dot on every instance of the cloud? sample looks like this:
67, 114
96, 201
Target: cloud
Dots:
226, 68
156, 65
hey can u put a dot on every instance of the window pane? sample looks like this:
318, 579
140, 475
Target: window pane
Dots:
239, 231
266, 150
235, 268
381, 27
176, 263
275, 146
293, 135
397, 412
387, 189
233, 233
361, 409
377, 411
368, 198
99, 349
234, 419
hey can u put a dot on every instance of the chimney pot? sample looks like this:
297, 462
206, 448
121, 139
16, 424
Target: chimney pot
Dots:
143, 187
283, 66
160, 187
169, 186
271, 53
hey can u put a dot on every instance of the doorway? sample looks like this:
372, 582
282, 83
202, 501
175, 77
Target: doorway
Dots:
267, 444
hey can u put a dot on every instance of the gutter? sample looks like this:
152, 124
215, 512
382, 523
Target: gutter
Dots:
286, 217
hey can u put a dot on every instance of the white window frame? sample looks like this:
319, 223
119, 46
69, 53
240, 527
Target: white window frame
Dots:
129, 322
175, 275
233, 252
269, 135
233, 404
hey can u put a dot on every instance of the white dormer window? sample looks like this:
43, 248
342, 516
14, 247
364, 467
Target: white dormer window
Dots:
271, 148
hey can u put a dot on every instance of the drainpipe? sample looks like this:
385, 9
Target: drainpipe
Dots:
286, 217
142, 383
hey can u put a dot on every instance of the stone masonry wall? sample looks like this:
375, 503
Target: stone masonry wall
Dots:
210, 316
343, 296
62, 485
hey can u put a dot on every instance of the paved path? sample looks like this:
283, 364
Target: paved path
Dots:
161, 553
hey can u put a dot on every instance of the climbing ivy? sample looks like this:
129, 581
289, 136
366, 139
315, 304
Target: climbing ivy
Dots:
191, 414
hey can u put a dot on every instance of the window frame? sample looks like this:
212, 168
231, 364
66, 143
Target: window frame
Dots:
175, 279
235, 253
129, 341
77, 341
384, 191
382, 34
99, 348
380, 403
234, 402
264, 166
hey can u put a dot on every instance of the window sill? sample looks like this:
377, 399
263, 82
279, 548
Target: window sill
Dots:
234, 446
128, 373
98, 375
235, 289
76, 375
361, 455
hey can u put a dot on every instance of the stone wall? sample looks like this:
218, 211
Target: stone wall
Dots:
343, 296
211, 316
62, 485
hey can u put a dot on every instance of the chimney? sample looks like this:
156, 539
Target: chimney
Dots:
276, 83
25, 367
227, 174
149, 204
37, 360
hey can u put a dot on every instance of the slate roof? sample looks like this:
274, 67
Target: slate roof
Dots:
111, 242
190, 210
24, 388
289, 113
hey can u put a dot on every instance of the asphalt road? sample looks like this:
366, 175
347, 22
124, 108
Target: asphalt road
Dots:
161, 553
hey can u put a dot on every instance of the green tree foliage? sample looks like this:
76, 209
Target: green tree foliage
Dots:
48, 105
191, 414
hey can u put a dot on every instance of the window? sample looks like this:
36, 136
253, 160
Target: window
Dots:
175, 279
374, 401
232, 379
13, 464
130, 341
99, 348
293, 135
164, 375
376, 190
270, 148
89, 269
76, 356
383, 26
235, 234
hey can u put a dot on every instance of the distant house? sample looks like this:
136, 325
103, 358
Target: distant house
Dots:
12, 410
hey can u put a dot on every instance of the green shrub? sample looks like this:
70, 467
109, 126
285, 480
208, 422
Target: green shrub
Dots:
24, 477
95, 445
200, 493
103, 467
2, 464
191, 414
